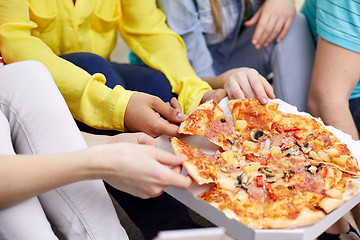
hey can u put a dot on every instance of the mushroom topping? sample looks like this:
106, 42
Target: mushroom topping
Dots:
274, 178
319, 167
224, 169
267, 172
243, 188
305, 147
256, 134
230, 142
311, 169
252, 177
291, 152
242, 179
288, 174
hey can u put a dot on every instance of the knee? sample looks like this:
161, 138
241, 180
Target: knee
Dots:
24, 78
299, 23
30, 68
159, 79
87, 61
299, 28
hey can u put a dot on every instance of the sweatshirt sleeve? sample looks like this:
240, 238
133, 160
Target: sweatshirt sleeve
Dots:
143, 27
89, 100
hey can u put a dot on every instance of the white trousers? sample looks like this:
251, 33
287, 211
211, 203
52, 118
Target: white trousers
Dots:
34, 119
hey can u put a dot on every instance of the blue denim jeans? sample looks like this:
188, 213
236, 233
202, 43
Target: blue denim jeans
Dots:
150, 215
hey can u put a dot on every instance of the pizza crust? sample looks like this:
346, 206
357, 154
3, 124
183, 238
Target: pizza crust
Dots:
306, 217
329, 204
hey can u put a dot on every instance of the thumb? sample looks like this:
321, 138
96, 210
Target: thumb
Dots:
166, 158
143, 138
252, 21
170, 113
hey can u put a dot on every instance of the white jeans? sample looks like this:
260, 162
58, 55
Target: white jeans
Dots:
34, 119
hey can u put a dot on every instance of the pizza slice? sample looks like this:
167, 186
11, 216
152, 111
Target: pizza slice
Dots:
305, 134
339, 187
287, 207
210, 121
198, 164
239, 206
304, 191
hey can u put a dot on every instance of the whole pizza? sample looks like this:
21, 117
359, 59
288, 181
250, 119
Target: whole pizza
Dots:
272, 169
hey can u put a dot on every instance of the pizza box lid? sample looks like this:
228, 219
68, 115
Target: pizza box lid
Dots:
236, 228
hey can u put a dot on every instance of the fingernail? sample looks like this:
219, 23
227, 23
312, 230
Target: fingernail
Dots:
181, 116
264, 100
254, 41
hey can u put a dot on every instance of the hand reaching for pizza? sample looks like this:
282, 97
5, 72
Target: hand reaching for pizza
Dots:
273, 20
215, 95
140, 170
143, 114
246, 83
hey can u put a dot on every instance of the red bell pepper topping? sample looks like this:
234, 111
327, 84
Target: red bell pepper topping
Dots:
275, 126
282, 146
256, 159
297, 136
293, 129
260, 180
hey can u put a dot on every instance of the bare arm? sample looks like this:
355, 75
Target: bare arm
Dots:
336, 73
25, 176
139, 138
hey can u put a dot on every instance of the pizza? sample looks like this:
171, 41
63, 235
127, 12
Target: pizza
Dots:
272, 169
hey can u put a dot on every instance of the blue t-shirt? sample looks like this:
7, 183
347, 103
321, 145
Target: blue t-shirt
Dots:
337, 22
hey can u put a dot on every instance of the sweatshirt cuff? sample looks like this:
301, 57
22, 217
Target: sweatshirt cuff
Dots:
120, 108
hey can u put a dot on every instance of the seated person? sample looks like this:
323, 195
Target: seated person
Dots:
223, 37
49, 175
335, 87
75, 44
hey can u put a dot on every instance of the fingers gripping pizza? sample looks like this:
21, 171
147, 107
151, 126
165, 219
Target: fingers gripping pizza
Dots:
273, 169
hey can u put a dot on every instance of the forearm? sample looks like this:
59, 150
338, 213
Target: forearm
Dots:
338, 115
96, 139
336, 72
215, 82
25, 176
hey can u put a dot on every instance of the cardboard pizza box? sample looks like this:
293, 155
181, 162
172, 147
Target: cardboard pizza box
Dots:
237, 229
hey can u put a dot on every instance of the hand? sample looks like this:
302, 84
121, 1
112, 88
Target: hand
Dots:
273, 20
139, 138
215, 95
140, 170
143, 112
246, 83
